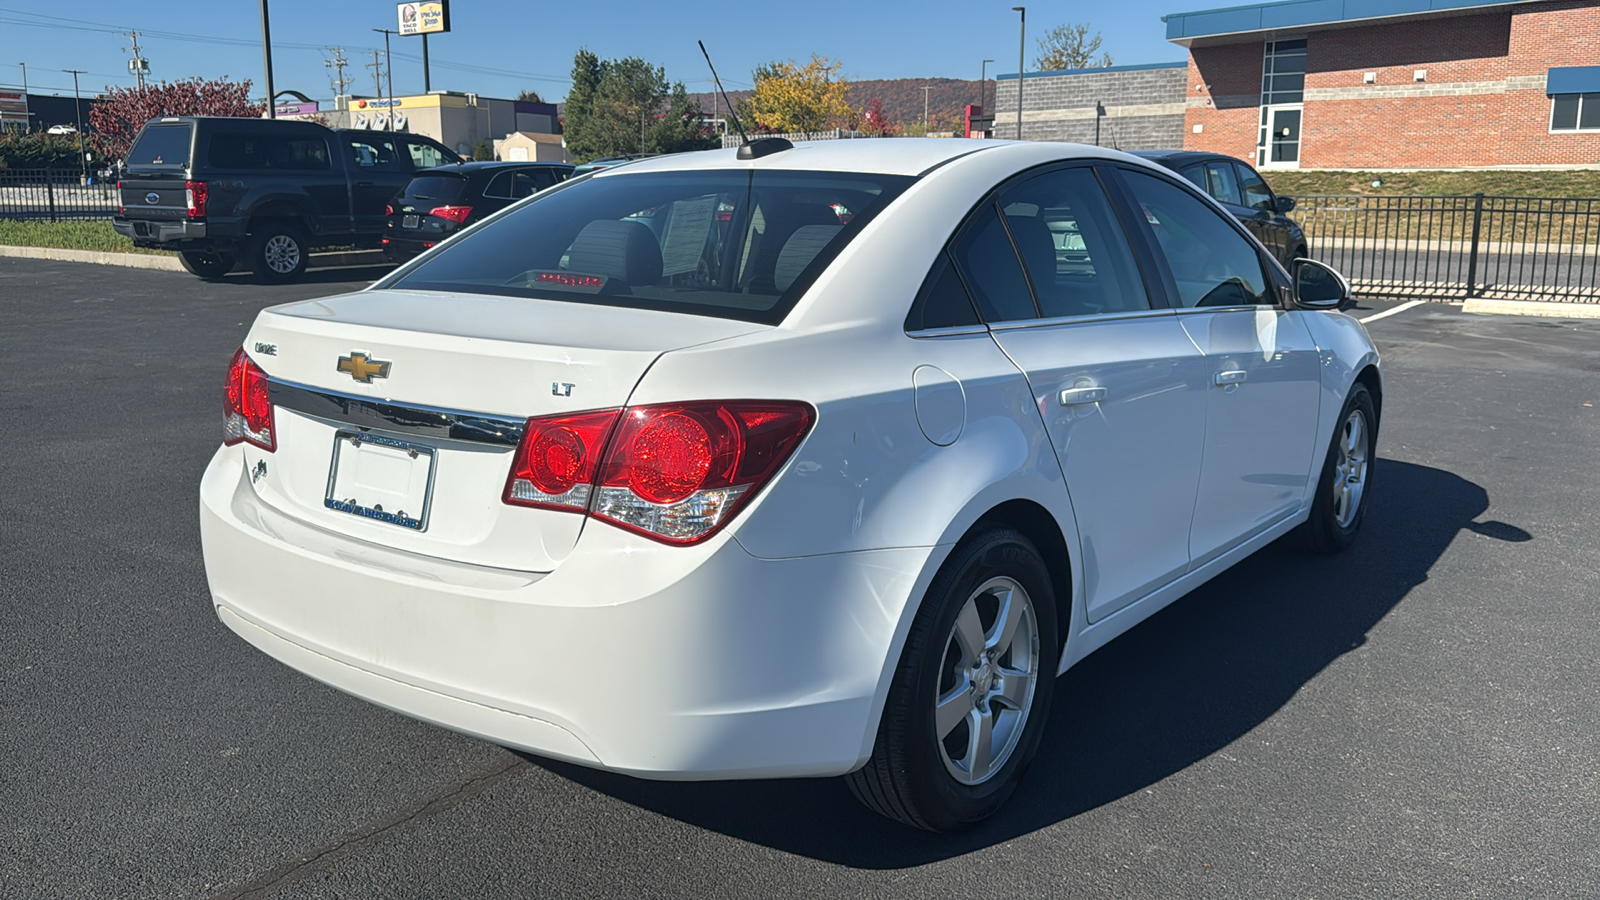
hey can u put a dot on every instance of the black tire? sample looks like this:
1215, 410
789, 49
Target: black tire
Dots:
206, 264
1331, 529
911, 775
278, 252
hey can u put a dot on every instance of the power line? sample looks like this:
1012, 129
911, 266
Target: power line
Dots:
340, 83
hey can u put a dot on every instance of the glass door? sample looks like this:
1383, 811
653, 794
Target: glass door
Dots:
1279, 145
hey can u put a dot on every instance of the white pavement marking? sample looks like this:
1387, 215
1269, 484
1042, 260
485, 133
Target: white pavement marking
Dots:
1389, 312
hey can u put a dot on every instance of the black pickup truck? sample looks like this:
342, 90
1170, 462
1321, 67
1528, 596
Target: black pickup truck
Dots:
263, 192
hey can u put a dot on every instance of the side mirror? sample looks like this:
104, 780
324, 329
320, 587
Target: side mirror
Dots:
1285, 204
1318, 286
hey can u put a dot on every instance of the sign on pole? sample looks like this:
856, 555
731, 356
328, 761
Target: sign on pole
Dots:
429, 17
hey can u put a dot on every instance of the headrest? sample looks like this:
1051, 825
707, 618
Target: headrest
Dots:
798, 252
616, 249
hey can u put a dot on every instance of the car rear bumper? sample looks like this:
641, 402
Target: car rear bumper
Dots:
160, 232
665, 662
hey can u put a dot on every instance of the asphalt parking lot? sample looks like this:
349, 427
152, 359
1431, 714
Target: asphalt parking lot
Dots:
1419, 717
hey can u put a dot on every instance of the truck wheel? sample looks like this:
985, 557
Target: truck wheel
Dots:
206, 263
278, 253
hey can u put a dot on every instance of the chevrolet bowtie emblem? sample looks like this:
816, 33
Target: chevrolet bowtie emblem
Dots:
362, 368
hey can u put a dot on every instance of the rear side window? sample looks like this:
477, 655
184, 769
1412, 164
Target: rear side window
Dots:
236, 150
162, 145
1222, 184
1256, 193
989, 266
738, 244
944, 301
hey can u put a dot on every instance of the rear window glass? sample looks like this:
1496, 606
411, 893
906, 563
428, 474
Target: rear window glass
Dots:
162, 145
440, 188
733, 244
235, 150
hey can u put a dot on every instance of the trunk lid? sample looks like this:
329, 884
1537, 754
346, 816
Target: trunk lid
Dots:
504, 359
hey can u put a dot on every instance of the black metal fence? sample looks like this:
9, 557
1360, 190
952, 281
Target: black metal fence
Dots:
54, 195
1515, 248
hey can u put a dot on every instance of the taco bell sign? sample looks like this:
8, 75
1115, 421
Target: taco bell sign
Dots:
429, 17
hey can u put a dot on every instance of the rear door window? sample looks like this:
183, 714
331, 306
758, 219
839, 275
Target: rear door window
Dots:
1222, 184
1075, 250
163, 146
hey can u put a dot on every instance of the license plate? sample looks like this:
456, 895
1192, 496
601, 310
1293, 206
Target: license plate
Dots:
381, 479
410, 221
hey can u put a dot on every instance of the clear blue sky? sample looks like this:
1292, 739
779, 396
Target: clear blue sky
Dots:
498, 48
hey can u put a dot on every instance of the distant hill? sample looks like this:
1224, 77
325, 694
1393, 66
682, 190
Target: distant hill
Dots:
901, 99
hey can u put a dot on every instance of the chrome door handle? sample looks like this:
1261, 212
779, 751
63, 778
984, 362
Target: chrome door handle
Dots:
1232, 376
1082, 395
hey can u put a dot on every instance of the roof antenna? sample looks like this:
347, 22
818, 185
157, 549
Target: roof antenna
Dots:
748, 149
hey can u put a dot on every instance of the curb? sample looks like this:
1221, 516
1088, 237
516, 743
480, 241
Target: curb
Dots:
168, 263
1532, 308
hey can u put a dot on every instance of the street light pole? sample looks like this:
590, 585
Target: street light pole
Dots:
925, 90
1022, 49
983, 92
266, 57
27, 125
77, 101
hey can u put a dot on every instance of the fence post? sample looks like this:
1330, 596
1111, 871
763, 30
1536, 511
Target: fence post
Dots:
50, 190
1472, 253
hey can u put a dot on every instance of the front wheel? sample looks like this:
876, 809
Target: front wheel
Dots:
969, 699
1345, 485
278, 253
206, 264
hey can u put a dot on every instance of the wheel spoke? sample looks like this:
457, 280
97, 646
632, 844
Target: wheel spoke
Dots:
1009, 616
969, 632
980, 742
952, 708
1013, 690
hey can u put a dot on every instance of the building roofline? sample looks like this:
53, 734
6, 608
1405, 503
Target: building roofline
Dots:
1180, 64
1234, 23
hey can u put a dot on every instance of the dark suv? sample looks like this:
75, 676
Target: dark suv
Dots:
1244, 193
262, 191
439, 202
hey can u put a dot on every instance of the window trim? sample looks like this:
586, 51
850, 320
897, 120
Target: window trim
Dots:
1577, 129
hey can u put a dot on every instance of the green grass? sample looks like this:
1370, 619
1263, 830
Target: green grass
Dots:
1559, 183
68, 236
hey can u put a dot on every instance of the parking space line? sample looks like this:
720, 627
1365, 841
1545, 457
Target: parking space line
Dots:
1389, 312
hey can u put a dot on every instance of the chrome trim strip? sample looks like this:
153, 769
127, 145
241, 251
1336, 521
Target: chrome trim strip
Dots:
1078, 320
948, 331
429, 422
1197, 310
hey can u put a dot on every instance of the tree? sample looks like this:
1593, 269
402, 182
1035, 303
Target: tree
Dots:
530, 96
1070, 47
125, 110
790, 97
625, 106
874, 121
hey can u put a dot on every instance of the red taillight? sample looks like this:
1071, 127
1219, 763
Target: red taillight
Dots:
121, 210
675, 472
246, 409
196, 192
388, 209
456, 214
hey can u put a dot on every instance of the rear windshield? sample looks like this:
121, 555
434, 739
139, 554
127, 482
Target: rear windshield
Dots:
162, 145
436, 188
236, 150
732, 244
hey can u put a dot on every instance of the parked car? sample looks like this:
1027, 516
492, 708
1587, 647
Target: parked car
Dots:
262, 191
804, 498
61, 129
438, 202
607, 162
1243, 191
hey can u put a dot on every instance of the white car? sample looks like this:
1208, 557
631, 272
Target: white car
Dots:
61, 129
807, 460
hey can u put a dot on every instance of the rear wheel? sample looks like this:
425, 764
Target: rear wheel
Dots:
969, 699
1342, 491
207, 264
278, 252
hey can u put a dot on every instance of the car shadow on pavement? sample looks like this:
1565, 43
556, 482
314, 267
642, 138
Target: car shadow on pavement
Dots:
359, 275
1188, 682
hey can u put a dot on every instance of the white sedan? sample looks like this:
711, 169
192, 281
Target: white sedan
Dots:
807, 460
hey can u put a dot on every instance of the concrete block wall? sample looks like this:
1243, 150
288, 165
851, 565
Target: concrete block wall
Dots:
1143, 105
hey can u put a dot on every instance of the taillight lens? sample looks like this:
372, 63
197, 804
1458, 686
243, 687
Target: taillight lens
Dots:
388, 209
456, 214
196, 193
121, 210
675, 472
246, 410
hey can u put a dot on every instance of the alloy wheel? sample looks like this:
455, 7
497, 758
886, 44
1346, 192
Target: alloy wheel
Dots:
1350, 470
987, 679
281, 254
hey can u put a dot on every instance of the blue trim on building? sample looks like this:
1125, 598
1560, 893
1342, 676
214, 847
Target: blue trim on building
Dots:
1011, 76
1573, 80
1304, 14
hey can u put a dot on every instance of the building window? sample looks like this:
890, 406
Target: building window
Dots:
1283, 73
1575, 112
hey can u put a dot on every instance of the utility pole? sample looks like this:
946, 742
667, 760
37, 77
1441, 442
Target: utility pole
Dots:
266, 56
377, 74
341, 84
138, 65
925, 90
388, 68
427, 79
77, 101
1022, 49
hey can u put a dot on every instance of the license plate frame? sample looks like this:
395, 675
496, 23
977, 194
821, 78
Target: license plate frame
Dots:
393, 455
411, 221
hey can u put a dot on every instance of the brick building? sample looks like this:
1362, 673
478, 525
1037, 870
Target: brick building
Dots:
1394, 84
1127, 107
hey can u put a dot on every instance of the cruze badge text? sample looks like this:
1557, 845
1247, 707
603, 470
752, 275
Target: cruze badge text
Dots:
361, 368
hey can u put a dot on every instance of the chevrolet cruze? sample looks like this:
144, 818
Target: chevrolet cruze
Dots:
791, 460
